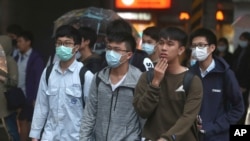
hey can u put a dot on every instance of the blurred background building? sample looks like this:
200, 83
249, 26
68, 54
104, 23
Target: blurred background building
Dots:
38, 16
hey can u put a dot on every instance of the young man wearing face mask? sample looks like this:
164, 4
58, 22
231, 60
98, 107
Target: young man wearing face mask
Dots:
222, 51
222, 103
170, 111
150, 36
59, 104
241, 67
109, 113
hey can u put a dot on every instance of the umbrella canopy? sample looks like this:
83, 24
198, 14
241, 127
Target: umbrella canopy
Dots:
242, 21
96, 18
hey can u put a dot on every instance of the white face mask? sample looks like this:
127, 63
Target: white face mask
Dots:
149, 48
243, 44
222, 48
200, 54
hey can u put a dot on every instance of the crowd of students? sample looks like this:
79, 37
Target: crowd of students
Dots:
127, 93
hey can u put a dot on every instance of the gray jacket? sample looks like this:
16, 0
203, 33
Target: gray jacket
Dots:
110, 116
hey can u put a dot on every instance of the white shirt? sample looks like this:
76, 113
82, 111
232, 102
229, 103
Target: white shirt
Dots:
59, 104
209, 68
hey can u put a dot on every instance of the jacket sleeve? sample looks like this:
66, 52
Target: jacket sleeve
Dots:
191, 110
234, 106
146, 97
41, 110
89, 116
12, 72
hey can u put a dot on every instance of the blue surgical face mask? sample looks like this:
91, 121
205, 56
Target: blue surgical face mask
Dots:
192, 62
149, 48
243, 44
113, 58
64, 53
221, 48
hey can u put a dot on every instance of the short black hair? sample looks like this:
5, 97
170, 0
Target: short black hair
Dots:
88, 34
204, 32
70, 32
224, 40
14, 29
118, 25
27, 35
245, 35
153, 32
119, 37
174, 33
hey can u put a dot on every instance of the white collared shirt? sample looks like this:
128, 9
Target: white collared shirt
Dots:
209, 68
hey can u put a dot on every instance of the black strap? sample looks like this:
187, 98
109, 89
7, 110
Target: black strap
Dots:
187, 80
48, 71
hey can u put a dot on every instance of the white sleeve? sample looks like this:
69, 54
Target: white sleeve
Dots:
87, 83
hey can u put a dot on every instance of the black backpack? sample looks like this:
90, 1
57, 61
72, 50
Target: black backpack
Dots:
81, 75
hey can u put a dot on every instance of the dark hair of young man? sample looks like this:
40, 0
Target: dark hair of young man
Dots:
119, 25
153, 32
27, 35
174, 33
203, 32
70, 32
88, 33
224, 40
119, 37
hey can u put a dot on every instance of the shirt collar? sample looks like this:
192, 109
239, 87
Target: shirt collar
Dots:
26, 54
71, 68
209, 68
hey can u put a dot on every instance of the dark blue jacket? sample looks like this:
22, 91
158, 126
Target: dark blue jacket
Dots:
34, 71
222, 103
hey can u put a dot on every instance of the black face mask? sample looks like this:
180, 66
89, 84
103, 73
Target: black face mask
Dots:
14, 42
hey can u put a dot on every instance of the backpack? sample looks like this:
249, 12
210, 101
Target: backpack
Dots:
81, 75
186, 80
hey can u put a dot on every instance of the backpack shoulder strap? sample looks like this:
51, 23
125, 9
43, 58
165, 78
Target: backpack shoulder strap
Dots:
98, 80
150, 75
187, 80
82, 72
48, 71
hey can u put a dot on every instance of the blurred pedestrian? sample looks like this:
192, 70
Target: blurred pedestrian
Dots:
150, 37
7, 81
222, 103
30, 67
163, 100
223, 51
109, 113
13, 31
90, 59
61, 96
241, 67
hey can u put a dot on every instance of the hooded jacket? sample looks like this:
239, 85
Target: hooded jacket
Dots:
110, 115
11, 77
222, 103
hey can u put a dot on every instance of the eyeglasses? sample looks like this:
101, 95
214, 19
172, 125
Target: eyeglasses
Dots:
64, 43
116, 49
200, 46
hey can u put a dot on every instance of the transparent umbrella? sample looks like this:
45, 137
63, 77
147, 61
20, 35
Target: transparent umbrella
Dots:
242, 21
96, 18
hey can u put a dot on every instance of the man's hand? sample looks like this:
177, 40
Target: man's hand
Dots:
34, 139
159, 71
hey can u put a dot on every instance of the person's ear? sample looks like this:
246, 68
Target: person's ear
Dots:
181, 50
76, 48
129, 55
212, 48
